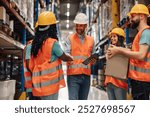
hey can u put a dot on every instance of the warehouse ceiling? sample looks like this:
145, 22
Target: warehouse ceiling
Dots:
68, 11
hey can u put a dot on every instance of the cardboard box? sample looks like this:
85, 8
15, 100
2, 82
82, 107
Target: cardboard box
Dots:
3, 14
117, 67
11, 25
7, 19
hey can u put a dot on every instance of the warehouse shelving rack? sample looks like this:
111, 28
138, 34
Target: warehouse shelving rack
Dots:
8, 44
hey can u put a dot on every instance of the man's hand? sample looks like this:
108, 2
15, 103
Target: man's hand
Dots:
93, 60
112, 50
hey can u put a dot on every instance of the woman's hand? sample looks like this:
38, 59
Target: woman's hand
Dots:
66, 57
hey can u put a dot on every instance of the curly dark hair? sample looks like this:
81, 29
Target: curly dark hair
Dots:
120, 41
42, 36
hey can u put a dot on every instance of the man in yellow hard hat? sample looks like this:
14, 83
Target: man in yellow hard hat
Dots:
139, 69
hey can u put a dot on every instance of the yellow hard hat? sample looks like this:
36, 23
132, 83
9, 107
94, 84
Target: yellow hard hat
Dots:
129, 15
36, 24
46, 18
139, 8
118, 31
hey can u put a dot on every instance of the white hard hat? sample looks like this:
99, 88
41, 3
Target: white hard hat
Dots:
81, 18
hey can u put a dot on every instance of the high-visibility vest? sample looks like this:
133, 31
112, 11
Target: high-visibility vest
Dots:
80, 52
139, 69
116, 82
27, 73
47, 76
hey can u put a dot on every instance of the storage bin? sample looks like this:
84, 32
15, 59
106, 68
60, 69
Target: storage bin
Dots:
7, 89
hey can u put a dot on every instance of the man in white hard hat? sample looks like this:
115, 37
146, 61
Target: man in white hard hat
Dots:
80, 46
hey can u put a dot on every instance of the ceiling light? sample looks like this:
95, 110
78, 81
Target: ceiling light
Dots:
68, 5
67, 13
67, 26
67, 21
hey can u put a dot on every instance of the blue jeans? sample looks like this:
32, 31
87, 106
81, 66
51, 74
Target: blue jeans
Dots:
78, 86
31, 97
116, 93
50, 97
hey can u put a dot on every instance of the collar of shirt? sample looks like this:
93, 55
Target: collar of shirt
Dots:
81, 36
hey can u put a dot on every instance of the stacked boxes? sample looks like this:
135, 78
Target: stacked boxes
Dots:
4, 21
2, 15
11, 25
106, 19
26, 10
30, 13
7, 19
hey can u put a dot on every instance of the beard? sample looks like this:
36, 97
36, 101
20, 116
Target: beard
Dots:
148, 21
80, 32
135, 24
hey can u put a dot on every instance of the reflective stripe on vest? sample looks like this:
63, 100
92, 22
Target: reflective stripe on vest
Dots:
48, 71
79, 66
50, 82
28, 78
147, 59
25, 70
139, 69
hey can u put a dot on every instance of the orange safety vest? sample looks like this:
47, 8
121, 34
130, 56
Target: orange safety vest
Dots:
116, 82
140, 69
27, 74
47, 76
80, 52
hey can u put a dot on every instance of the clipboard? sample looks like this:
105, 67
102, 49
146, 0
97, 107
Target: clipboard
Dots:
117, 67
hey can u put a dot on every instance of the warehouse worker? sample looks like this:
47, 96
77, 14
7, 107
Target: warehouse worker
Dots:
116, 89
80, 46
139, 70
46, 55
27, 72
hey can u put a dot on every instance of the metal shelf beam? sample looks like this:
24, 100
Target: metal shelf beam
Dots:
8, 45
7, 41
